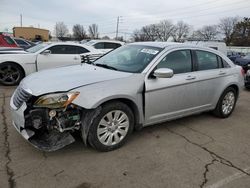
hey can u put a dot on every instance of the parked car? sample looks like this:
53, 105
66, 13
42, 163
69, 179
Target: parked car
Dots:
131, 87
105, 45
247, 79
7, 41
233, 55
84, 41
22, 43
14, 67
244, 62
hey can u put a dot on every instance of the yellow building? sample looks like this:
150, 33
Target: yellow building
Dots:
31, 33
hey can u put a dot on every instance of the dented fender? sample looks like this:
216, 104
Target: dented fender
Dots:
131, 88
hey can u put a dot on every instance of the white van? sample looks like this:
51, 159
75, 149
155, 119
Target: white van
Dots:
220, 46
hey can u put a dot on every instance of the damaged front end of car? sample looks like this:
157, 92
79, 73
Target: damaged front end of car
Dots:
47, 121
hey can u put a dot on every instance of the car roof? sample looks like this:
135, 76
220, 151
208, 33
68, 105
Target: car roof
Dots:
112, 41
90, 48
170, 45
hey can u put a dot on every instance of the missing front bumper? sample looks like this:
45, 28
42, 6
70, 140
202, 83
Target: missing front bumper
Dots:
52, 141
43, 140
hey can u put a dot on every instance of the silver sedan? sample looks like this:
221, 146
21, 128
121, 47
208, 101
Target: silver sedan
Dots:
134, 86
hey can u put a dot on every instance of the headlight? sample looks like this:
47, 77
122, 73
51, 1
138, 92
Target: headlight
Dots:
59, 100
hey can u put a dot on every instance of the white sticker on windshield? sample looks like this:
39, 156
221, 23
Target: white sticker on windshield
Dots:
149, 51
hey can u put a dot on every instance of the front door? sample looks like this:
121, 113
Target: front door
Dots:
59, 56
169, 98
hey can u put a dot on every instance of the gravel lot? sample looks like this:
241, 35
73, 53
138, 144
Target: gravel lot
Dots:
197, 151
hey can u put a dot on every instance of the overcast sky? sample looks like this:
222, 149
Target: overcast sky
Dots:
134, 13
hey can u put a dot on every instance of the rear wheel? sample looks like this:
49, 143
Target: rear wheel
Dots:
226, 103
111, 128
10, 74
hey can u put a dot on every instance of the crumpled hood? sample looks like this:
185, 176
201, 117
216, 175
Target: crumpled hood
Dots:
67, 78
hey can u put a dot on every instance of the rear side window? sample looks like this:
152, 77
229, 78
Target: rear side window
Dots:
9, 40
179, 61
225, 64
21, 42
81, 50
206, 60
118, 45
109, 45
99, 45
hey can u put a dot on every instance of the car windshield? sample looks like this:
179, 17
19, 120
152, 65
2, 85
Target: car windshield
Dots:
36, 48
130, 58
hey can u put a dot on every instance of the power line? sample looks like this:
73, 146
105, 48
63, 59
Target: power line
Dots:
136, 20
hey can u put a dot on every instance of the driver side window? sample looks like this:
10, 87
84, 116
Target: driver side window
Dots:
179, 61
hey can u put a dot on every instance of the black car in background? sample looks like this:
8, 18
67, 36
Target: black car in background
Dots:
22, 43
247, 79
244, 62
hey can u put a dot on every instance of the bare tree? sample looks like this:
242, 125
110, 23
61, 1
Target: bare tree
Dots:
61, 30
93, 31
138, 36
79, 32
227, 27
150, 32
165, 29
180, 32
208, 32
241, 35
161, 31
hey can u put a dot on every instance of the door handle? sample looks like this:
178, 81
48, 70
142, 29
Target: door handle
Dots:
190, 77
222, 73
75, 58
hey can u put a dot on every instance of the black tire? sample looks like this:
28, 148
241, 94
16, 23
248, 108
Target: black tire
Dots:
218, 111
10, 74
93, 139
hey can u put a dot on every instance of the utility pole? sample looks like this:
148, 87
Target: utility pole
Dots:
117, 27
21, 20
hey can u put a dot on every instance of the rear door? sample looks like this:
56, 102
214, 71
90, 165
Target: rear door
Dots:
211, 73
61, 55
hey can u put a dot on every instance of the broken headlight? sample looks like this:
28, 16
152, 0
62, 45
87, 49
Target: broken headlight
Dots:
58, 100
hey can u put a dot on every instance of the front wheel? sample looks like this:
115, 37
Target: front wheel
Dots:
10, 74
111, 128
226, 103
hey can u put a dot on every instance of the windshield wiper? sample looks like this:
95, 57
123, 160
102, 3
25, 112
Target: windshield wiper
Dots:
105, 66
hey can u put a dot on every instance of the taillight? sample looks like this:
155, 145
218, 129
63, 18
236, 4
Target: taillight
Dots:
243, 72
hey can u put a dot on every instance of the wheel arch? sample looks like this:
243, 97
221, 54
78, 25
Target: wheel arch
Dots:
234, 86
17, 64
96, 110
131, 104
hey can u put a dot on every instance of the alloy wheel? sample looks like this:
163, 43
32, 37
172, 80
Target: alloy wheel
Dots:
113, 127
9, 74
228, 103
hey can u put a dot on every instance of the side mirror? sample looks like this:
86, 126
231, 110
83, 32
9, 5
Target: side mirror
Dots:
163, 73
46, 52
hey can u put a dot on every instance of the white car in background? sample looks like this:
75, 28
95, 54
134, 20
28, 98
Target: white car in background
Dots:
105, 45
15, 66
